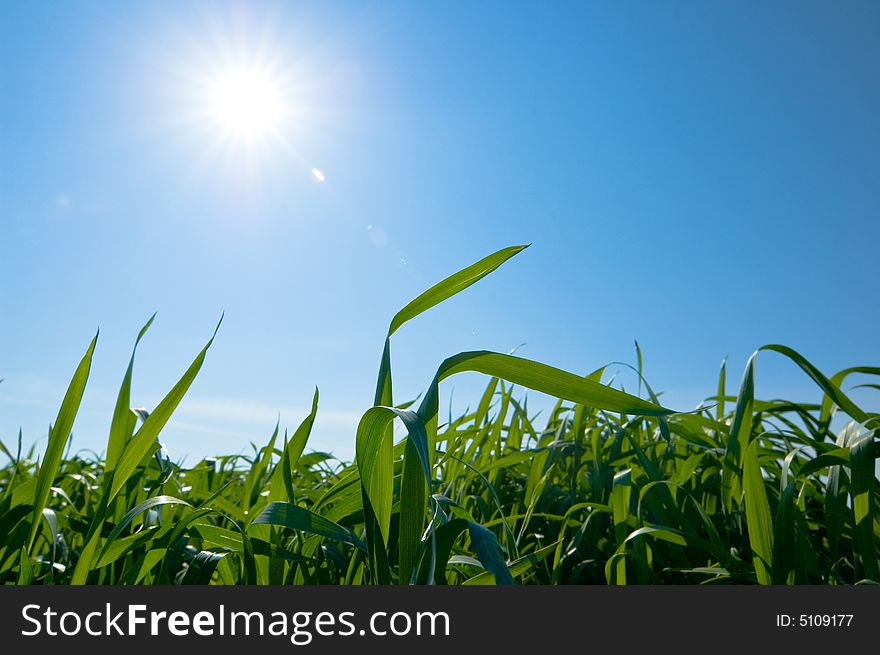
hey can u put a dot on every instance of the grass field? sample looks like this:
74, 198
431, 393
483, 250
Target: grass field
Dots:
609, 488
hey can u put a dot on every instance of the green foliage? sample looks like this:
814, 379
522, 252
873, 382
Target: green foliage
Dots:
610, 487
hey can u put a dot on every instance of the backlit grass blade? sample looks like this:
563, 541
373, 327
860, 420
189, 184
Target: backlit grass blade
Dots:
25, 569
51, 520
376, 473
413, 505
837, 380
784, 537
621, 492
832, 390
543, 378
253, 481
738, 437
123, 422
863, 499
615, 566
452, 285
441, 291
758, 519
536, 376
722, 384
834, 509
294, 450
133, 453
58, 435
144, 438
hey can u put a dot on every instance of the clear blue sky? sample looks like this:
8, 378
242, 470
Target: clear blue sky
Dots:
702, 177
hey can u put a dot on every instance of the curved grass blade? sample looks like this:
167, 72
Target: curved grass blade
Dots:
148, 504
547, 379
201, 568
52, 522
516, 568
298, 518
376, 474
452, 285
375, 519
489, 552
837, 380
831, 390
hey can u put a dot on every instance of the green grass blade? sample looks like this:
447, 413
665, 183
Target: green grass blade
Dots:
519, 567
758, 519
413, 507
489, 552
452, 285
294, 450
863, 500
123, 422
58, 437
201, 568
145, 437
831, 390
290, 516
150, 503
722, 384
377, 473
25, 568
541, 377
837, 380
254, 480
738, 437
784, 537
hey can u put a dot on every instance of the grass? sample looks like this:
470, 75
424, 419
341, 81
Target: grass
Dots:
611, 488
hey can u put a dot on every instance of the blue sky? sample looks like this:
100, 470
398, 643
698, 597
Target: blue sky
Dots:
699, 176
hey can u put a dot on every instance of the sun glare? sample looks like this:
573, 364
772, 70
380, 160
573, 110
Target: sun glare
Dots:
247, 104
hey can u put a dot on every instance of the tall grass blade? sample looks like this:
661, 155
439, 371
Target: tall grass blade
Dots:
145, 437
58, 435
123, 422
758, 519
863, 500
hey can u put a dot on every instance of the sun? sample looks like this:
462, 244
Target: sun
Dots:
247, 103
